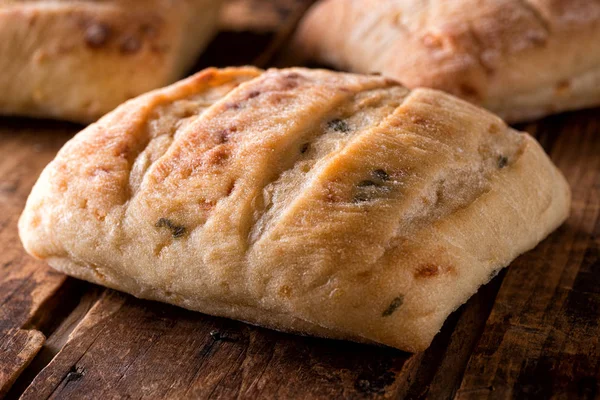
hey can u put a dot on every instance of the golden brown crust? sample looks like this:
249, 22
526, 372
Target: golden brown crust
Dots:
77, 60
306, 200
520, 58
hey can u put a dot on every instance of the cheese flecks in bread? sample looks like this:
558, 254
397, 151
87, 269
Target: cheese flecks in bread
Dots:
522, 59
77, 60
311, 201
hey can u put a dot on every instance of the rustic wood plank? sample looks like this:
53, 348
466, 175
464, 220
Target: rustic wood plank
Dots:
77, 301
252, 32
542, 337
19, 346
127, 347
244, 360
121, 347
261, 15
26, 285
25, 148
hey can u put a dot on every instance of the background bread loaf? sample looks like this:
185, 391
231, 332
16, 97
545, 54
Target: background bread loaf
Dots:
77, 60
520, 59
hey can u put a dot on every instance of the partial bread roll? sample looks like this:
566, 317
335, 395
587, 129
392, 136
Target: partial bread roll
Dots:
311, 201
77, 60
522, 59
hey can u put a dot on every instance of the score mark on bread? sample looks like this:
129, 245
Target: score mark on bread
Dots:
310, 201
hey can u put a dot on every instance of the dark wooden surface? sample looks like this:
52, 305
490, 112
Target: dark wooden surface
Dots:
533, 332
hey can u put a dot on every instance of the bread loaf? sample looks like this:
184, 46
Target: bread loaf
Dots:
309, 201
77, 60
522, 59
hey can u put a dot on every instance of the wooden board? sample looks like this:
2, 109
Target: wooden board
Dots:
27, 286
533, 332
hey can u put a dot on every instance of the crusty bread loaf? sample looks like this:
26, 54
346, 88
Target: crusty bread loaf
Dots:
522, 59
77, 60
312, 201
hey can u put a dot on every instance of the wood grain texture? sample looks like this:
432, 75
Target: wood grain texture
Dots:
17, 347
26, 285
76, 299
533, 332
260, 15
121, 347
252, 32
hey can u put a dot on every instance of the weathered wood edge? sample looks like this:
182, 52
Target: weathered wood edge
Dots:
20, 346
26, 285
